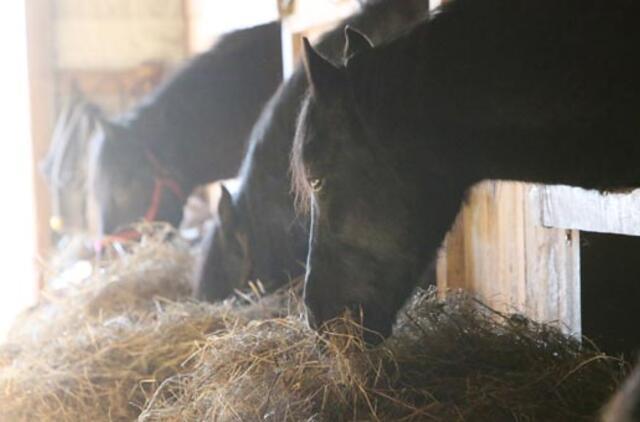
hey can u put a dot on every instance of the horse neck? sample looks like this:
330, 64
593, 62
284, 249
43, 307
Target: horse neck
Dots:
577, 157
181, 154
601, 154
197, 122
538, 130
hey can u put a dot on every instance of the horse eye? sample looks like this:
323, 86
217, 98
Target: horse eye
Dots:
316, 184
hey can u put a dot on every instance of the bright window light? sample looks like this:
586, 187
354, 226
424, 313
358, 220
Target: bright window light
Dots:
210, 18
17, 243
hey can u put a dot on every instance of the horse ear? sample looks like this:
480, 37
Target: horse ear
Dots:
226, 213
356, 42
321, 74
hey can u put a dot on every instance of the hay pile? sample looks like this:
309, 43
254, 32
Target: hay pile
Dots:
129, 345
450, 361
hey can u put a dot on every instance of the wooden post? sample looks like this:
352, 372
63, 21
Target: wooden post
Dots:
499, 250
40, 36
186, 36
309, 18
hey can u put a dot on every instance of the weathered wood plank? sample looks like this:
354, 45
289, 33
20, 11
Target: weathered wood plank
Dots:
308, 14
499, 251
575, 208
207, 19
553, 268
39, 20
485, 248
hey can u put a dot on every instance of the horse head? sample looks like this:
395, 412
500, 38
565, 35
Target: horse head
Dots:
65, 166
128, 183
363, 250
227, 264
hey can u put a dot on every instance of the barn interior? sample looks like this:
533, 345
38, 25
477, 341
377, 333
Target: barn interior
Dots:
526, 312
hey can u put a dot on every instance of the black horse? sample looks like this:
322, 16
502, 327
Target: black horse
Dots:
257, 235
189, 132
387, 145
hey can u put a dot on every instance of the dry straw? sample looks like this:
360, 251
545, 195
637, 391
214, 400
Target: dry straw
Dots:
130, 345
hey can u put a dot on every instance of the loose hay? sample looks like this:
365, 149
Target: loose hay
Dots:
449, 361
130, 345
159, 267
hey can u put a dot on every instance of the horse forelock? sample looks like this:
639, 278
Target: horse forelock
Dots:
305, 127
299, 184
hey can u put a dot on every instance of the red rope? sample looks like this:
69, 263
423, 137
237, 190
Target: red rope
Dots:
128, 235
160, 183
156, 198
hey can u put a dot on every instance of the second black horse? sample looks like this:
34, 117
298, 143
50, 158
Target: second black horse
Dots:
257, 235
191, 131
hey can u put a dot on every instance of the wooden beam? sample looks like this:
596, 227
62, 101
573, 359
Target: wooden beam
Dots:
575, 208
39, 16
552, 268
187, 24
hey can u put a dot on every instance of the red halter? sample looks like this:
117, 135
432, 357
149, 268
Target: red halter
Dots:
161, 182
159, 185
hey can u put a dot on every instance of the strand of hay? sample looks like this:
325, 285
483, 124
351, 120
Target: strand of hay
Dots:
130, 345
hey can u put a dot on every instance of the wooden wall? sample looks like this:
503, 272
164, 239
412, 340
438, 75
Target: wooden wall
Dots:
118, 34
500, 249
115, 51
